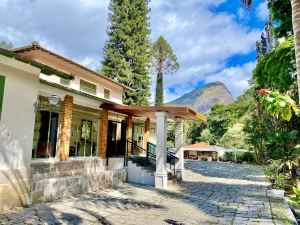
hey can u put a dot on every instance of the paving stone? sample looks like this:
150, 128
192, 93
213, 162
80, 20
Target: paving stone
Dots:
212, 193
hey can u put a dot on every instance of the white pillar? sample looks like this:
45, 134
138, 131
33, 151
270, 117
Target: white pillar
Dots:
178, 147
161, 175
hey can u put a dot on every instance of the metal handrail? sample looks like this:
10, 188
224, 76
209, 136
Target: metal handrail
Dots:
133, 147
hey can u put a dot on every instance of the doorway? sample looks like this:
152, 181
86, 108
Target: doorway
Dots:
116, 139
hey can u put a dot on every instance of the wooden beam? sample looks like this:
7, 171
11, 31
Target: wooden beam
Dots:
147, 132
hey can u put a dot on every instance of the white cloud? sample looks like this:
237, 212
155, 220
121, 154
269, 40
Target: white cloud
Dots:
262, 11
203, 38
73, 28
235, 78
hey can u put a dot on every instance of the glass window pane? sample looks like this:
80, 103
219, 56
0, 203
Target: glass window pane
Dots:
65, 82
45, 134
88, 87
106, 94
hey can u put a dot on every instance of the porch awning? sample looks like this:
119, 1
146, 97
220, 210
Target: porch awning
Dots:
149, 111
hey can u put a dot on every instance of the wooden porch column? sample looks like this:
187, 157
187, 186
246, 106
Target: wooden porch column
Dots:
147, 132
129, 132
66, 124
103, 134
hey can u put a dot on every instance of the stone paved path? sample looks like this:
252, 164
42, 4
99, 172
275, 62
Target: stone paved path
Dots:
212, 193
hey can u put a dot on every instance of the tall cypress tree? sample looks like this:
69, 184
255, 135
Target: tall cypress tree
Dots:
127, 50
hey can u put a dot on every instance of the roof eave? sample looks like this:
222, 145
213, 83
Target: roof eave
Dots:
37, 46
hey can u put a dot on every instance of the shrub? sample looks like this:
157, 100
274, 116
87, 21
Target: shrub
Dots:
240, 156
275, 174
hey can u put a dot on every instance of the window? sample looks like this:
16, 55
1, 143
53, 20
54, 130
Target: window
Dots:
84, 136
106, 94
65, 82
2, 83
45, 134
88, 87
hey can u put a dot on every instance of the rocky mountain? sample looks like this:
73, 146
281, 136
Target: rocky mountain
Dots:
203, 98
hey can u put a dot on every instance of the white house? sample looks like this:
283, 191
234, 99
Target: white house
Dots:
64, 129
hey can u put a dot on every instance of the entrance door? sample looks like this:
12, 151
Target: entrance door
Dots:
116, 139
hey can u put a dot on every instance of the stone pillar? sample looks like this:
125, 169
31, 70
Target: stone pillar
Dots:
179, 167
161, 176
66, 124
103, 134
147, 132
129, 132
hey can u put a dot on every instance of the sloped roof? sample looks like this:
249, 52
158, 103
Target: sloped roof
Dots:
200, 145
47, 70
37, 46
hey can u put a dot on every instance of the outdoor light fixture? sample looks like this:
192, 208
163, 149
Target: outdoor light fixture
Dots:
53, 100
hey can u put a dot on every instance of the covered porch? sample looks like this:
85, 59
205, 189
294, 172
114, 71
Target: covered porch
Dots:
157, 152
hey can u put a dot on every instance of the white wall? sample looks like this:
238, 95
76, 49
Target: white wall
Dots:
115, 163
115, 93
137, 174
18, 115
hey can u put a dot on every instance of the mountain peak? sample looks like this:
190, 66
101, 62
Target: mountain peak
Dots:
203, 98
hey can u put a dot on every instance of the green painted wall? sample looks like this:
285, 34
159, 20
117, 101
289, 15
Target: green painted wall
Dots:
2, 84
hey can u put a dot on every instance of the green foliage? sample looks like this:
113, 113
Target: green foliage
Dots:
277, 69
127, 51
222, 118
206, 136
267, 42
194, 132
275, 175
281, 12
296, 199
279, 106
164, 61
240, 157
170, 133
234, 137
6, 45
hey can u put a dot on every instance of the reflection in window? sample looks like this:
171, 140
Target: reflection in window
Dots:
107, 94
84, 136
88, 87
45, 134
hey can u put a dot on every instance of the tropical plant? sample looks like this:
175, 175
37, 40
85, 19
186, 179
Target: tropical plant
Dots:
296, 199
275, 175
295, 9
278, 105
127, 51
164, 61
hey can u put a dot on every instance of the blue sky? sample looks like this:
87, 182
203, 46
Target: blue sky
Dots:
214, 40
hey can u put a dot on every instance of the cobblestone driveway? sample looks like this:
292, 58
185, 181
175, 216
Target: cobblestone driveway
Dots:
212, 193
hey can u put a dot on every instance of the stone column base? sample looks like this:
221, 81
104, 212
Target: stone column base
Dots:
161, 180
180, 173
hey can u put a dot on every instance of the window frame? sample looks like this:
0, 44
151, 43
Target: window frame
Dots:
109, 96
88, 82
62, 80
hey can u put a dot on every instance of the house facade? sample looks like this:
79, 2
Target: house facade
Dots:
64, 129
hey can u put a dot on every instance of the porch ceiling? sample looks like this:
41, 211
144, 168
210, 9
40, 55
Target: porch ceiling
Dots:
149, 111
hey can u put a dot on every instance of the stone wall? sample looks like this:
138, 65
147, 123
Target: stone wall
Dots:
46, 181
50, 181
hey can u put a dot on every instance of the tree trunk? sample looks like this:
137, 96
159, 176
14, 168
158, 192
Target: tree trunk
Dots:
159, 96
296, 27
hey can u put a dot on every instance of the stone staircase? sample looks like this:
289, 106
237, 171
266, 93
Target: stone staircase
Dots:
139, 174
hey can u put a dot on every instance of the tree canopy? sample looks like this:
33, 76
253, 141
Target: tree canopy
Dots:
127, 50
164, 61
